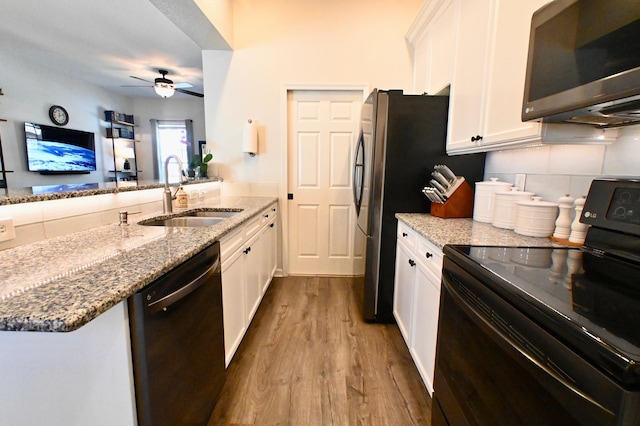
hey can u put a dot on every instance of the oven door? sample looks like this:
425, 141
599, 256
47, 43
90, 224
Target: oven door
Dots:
495, 366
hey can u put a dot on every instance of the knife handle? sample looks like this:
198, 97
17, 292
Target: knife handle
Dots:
446, 171
437, 186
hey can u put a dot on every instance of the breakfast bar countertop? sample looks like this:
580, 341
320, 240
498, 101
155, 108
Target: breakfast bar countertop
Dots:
62, 283
468, 232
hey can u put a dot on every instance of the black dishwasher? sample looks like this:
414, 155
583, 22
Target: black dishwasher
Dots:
178, 344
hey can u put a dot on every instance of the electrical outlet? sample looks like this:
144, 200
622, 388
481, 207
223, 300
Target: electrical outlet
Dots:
7, 231
520, 181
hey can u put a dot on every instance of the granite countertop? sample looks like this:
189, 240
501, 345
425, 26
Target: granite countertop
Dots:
63, 283
57, 192
468, 232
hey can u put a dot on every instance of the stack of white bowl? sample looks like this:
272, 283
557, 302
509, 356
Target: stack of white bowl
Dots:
505, 211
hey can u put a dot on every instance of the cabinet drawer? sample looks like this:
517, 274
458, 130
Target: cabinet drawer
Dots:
252, 226
272, 210
407, 235
267, 214
231, 242
430, 255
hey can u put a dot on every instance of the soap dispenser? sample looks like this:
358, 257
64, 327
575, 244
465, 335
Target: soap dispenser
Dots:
182, 198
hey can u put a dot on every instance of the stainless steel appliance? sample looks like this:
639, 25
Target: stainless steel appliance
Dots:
545, 336
584, 63
402, 137
178, 343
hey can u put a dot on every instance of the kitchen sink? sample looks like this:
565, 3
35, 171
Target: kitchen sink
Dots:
192, 219
184, 221
212, 213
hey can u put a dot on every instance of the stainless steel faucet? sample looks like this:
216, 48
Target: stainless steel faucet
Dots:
167, 207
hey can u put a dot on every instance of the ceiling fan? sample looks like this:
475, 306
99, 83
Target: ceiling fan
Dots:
165, 87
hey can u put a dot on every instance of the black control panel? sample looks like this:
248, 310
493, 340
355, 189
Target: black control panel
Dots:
612, 209
625, 206
613, 205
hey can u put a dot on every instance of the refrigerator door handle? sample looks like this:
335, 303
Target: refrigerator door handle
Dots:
358, 174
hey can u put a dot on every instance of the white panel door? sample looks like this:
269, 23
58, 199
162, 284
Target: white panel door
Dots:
322, 132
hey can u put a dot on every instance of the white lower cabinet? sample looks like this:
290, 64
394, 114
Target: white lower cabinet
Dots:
269, 261
84, 377
247, 270
233, 303
416, 299
403, 291
426, 306
252, 276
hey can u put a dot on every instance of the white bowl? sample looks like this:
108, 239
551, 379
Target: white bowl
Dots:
536, 218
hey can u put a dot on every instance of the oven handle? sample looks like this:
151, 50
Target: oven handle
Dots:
450, 287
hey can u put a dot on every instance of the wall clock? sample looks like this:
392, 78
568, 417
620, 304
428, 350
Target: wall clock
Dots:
58, 115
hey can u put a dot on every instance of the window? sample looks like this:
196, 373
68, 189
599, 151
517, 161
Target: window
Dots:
173, 137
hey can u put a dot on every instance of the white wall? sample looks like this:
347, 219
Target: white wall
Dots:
220, 13
28, 94
145, 109
555, 170
279, 42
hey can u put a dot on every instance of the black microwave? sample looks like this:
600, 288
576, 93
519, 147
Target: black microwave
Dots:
584, 63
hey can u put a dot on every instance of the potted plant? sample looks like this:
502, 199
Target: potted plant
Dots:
196, 162
193, 164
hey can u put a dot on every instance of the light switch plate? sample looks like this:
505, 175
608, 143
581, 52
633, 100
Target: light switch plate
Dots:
520, 181
7, 231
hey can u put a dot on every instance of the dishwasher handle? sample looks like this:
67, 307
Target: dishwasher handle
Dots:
184, 291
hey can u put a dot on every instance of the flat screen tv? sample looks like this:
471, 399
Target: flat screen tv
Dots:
57, 150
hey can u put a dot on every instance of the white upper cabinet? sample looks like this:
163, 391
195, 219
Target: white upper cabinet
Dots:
466, 106
489, 52
433, 36
505, 74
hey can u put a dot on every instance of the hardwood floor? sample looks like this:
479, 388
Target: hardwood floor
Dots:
308, 358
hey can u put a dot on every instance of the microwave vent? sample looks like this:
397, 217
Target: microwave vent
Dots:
628, 109
611, 116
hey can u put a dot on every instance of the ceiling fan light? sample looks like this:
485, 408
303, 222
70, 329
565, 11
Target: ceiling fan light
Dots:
165, 90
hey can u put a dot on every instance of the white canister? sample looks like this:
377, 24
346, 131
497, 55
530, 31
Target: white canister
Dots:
536, 218
483, 204
504, 210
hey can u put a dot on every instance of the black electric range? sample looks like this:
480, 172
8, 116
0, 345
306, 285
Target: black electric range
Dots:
561, 322
582, 298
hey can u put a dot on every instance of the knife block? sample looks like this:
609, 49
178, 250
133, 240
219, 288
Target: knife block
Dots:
459, 204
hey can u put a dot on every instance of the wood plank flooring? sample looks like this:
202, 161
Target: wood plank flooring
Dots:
308, 358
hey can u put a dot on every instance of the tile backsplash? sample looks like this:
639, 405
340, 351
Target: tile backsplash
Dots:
555, 170
48, 219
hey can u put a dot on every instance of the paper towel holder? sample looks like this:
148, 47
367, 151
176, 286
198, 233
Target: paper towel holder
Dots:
250, 138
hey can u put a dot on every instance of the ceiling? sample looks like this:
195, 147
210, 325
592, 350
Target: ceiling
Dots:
106, 42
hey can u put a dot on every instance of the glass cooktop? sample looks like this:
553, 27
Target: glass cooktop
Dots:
590, 302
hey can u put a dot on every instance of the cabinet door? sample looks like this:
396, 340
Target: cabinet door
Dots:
268, 254
424, 327
233, 305
403, 292
432, 36
506, 74
440, 44
252, 283
466, 103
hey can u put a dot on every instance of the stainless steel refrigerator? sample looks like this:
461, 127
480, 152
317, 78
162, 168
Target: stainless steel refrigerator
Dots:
401, 138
